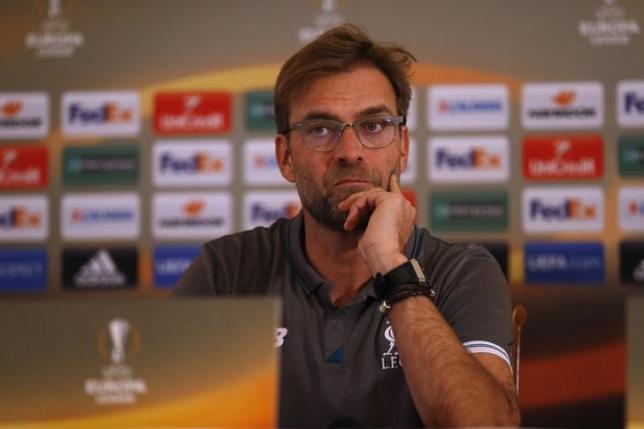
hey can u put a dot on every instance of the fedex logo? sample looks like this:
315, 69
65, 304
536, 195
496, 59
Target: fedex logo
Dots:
192, 113
558, 158
180, 163
260, 164
464, 159
563, 209
199, 162
264, 208
631, 208
108, 113
571, 208
475, 158
630, 103
101, 113
24, 115
23, 218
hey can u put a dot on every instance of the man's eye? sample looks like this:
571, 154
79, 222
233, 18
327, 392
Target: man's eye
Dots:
374, 125
318, 130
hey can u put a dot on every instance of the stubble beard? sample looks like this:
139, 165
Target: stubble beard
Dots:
322, 204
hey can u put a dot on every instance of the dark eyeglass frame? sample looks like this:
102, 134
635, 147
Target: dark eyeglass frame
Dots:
398, 121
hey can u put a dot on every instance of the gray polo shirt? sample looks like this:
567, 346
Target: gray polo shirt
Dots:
340, 367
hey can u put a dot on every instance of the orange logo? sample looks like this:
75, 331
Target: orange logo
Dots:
11, 108
194, 208
564, 98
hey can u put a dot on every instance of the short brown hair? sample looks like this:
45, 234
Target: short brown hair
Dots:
335, 51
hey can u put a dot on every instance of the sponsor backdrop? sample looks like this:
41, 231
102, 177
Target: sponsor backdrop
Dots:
131, 132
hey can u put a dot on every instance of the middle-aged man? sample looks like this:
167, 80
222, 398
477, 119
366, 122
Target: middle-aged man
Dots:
383, 324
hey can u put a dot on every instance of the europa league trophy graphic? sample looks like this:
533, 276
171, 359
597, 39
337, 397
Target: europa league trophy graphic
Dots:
119, 330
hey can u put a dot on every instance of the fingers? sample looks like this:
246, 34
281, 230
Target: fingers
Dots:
394, 184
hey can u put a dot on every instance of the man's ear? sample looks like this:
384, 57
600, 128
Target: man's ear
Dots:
404, 149
284, 157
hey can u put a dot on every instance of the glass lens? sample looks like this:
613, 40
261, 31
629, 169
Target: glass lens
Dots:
319, 133
376, 131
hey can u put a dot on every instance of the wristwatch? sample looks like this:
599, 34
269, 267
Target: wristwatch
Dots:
404, 281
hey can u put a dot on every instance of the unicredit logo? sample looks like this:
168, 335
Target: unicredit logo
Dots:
476, 158
571, 208
563, 157
199, 162
23, 167
192, 113
107, 113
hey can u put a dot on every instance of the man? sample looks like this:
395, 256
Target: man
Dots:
367, 338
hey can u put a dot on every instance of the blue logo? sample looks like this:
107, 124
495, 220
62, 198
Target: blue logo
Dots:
579, 263
23, 270
170, 262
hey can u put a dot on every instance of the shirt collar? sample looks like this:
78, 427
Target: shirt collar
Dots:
310, 278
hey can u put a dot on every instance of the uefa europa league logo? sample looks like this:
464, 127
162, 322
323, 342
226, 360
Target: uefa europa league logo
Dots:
118, 341
119, 330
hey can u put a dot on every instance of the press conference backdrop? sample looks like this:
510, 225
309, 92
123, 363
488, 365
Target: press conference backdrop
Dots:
131, 132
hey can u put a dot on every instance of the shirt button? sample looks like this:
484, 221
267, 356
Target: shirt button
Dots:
336, 323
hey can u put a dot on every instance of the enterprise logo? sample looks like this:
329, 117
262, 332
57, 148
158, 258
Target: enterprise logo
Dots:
563, 209
561, 158
563, 105
556, 263
24, 115
185, 113
206, 163
630, 103
465, 159
468, 107
101, 113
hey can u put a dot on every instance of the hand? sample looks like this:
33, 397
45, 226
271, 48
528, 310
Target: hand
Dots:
390, 220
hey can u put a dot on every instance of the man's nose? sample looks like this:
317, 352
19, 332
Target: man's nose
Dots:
349, 148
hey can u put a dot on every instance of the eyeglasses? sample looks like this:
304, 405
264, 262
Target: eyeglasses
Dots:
374, 132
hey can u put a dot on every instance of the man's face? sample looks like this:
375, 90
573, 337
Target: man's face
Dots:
324, 179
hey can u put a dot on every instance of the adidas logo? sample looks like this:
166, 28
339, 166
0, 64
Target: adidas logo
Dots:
100, 271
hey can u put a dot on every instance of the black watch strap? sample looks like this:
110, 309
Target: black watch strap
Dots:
404, 281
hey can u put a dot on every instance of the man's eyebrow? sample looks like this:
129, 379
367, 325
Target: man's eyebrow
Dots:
374, 110
321, 115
